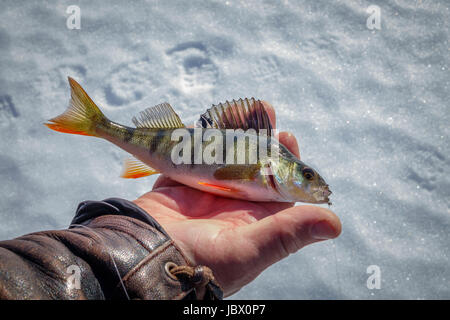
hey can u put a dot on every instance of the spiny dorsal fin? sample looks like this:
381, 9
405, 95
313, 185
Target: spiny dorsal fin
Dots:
159, 116
134, 168
237, 114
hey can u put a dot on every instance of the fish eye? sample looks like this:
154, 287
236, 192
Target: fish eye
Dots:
308, 173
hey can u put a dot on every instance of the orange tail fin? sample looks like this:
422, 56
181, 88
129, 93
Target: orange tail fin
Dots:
82, 115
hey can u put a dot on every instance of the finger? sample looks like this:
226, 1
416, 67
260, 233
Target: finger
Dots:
274, 207
281, 234
286, 138
289, 140
271, 113
164, 181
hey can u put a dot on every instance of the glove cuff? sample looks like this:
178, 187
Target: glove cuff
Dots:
163, 272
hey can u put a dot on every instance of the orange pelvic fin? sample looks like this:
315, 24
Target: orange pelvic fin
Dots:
134, 169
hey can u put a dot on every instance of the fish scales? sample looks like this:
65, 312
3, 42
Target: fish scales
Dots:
279, 176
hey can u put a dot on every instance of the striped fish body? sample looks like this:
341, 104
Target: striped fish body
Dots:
237, 180
195, 157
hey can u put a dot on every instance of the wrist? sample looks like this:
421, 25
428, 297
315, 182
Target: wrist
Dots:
201, 277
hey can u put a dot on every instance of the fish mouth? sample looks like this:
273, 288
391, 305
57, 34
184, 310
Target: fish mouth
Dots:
322, 195
326, 192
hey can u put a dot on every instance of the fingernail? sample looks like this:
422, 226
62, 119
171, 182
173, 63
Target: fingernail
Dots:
323, 230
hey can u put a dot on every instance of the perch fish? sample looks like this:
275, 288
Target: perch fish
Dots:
281, 176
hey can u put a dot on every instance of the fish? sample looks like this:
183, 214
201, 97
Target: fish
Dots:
216, 156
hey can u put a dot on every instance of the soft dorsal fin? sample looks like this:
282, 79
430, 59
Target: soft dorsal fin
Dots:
237, 114
159, 116
134, 168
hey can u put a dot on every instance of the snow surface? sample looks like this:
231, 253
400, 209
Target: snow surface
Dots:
370, 109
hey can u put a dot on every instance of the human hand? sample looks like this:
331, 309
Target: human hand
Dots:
237, 239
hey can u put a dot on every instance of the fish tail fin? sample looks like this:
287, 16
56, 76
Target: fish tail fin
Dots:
81, 117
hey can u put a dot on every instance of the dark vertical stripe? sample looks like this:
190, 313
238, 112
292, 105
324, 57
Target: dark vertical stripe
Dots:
128, 134
156, 141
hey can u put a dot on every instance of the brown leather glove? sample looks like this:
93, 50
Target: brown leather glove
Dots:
112, 250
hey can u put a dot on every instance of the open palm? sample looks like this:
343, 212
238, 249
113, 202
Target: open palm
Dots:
237, 239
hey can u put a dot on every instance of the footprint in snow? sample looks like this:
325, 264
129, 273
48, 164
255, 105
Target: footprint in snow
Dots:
197, 71
130, 82
8, 110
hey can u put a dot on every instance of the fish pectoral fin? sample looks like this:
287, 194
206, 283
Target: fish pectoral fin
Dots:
214, 186
160, 116
237, 114
237, 172
134, 168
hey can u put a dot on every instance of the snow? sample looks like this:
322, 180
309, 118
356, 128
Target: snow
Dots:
370, 109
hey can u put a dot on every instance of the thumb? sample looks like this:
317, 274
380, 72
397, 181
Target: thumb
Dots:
278, 235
